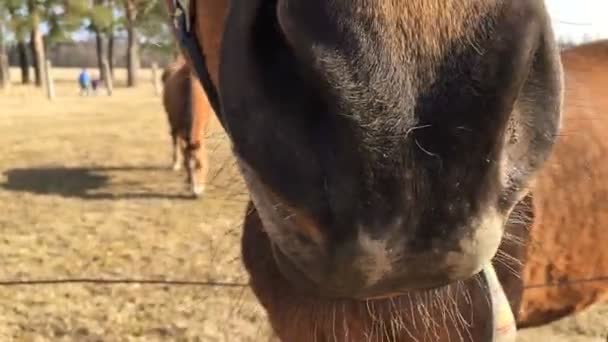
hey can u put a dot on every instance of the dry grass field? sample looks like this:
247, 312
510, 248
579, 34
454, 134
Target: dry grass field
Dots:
86, 192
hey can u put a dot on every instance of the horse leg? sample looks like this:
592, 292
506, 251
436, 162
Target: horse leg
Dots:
176, 165
197, 168
189, 154
200, 170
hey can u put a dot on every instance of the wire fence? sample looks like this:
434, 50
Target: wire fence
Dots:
226, 284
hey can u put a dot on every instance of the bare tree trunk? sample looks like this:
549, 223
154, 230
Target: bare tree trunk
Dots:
5, 78
106, 70
37, 45
48, 80
40, 50
111, 52
101, 53
132, 59
35, 60
132, 44
24, 63
111, 4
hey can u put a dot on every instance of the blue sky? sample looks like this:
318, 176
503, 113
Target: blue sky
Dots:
575, 18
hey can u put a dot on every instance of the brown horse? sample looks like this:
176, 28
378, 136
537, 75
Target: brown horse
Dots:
392, 147
571, 199
188, 113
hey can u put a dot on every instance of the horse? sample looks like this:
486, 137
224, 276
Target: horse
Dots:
391, 150
188, 113
571, 199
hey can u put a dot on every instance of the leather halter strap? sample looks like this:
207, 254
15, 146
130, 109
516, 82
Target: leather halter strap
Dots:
182, 23
504, 328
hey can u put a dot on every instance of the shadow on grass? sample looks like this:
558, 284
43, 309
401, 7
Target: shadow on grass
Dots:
80, 182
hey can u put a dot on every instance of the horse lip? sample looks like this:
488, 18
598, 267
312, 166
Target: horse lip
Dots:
289, 271
302, 280
404, 291
410, 290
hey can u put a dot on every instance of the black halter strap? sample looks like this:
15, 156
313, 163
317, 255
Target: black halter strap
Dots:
182, 22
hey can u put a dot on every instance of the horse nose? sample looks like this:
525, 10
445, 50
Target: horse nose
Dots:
197, 189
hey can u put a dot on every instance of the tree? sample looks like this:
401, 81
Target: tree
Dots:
38, 12
5, 78
36, 41
136, 13
18, 24
61, 17
96, 16
112, 29
131, 12
144, 23
24, 63
102, 21
156, 34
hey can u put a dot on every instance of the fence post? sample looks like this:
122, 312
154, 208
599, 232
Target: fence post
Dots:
107, 77
48, 80
155, 80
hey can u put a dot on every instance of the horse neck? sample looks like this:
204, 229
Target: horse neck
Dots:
199, 110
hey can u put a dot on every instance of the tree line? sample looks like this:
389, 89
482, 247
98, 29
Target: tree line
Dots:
33, 26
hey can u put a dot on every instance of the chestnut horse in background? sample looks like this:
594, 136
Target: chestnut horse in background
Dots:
392, 148
188, 113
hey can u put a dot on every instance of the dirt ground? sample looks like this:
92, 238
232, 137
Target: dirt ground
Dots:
86, 192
